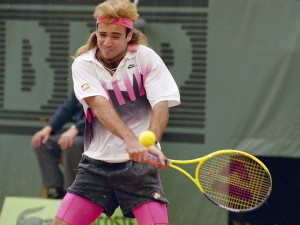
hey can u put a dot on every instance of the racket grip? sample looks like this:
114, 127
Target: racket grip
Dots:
154, 156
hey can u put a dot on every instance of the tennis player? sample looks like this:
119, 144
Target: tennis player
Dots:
125, 89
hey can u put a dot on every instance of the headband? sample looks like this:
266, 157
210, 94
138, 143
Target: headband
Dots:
124, 22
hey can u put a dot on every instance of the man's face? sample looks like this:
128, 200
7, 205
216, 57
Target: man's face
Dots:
112, 40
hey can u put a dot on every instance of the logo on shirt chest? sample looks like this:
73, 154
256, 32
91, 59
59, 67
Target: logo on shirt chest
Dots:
130, 66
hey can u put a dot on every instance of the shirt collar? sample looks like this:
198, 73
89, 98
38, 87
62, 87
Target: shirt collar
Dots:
90, 55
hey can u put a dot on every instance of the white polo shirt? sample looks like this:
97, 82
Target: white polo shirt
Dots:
140, 81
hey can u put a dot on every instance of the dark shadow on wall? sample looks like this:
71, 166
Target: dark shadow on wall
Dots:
282, 207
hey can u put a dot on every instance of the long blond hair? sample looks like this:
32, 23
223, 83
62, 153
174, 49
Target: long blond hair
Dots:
114, 9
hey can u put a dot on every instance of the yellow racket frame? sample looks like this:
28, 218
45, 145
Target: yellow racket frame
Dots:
200, 161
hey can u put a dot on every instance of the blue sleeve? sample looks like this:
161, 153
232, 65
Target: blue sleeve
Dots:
80, 119
70, 109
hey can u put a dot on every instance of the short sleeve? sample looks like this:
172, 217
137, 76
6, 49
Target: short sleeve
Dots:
86, 83
158, 81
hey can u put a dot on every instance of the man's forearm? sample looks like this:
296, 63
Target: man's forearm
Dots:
160, 118
110, 118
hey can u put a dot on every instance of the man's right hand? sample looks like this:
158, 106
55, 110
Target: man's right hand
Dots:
137, 152
41, 136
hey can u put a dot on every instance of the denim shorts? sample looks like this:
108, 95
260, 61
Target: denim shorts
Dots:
110, 185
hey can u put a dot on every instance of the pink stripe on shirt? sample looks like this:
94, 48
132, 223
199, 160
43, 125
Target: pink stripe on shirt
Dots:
129, 87
89, 115
139, 82
118, 93
146, 70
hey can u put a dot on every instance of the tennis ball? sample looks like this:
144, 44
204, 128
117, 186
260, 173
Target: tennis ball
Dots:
147, 138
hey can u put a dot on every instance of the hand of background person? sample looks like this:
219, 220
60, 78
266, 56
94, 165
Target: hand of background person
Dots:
66, 139
41, 136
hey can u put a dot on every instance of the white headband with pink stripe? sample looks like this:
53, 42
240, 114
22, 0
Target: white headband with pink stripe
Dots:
124, 22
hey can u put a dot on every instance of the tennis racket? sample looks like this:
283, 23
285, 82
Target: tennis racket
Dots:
231, 179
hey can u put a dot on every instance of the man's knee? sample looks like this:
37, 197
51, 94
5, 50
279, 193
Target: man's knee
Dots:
58, 221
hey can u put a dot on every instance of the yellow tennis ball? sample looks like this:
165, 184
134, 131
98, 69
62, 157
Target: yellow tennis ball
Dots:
147, 138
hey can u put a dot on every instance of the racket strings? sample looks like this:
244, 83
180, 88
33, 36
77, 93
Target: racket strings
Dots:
234, 181
238, 192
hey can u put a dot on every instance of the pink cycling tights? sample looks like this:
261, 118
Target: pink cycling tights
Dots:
76, 210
